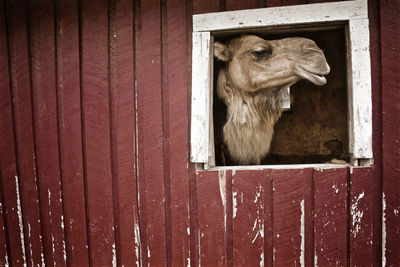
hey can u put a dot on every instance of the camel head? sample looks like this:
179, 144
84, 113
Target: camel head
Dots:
256, 64
252, 83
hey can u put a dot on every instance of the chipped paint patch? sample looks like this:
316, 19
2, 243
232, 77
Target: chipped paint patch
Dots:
234, 200
383, 230
262, 259
302, 233
356, 214
335, 188
315, 259
188, 262
20, 222
258, 193
114, 259
222, 191
137, 243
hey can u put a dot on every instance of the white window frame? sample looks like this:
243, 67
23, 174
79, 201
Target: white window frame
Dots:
353, 14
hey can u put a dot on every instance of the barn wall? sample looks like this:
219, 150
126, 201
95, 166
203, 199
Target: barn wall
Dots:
94, 148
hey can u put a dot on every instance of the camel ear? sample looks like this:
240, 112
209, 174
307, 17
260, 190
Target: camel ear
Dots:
221, 52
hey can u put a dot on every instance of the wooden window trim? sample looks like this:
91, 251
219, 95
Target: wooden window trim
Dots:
352, 14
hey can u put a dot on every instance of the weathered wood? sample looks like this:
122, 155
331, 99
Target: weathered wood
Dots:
248, 194
43, 70
201, 97
327, 12
211, 197
96, 132
26, 184
359, 96
123, 134
330, 212
150, 121
291, 217
361, 216
176, 47
390, 45
70, 132
9, 200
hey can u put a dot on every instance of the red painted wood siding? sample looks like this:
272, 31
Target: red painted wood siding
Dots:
94, 148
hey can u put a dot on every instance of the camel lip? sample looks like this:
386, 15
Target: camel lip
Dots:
316, 78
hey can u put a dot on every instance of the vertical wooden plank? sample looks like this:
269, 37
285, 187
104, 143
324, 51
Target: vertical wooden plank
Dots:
41, 21
330, 211
205, 6
123, 132
248, 193
8, 163
96, 123
238, 5
361, 216
292, 217
390, 45
211, 205
376, 83
70, 132
150, 121
26, 180
176, 66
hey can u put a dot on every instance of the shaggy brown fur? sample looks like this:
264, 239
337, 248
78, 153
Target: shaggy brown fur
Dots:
252, 84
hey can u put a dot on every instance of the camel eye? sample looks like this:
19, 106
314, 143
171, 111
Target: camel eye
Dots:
261, 53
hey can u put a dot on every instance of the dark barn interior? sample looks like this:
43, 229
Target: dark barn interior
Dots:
314, 130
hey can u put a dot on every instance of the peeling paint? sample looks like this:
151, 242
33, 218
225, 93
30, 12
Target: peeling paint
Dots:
383, 230
357, 214
302, 233
137, 243
20, 222
234, 200
222, 191
114, 260
258, 193
334, 187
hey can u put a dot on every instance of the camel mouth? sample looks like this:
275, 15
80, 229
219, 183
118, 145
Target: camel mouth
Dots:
315, 77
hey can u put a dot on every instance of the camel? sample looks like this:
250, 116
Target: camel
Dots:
253, 82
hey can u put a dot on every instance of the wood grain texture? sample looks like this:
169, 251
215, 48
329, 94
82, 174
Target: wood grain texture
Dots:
211, 199
291, 217
361, 216
176, 131
330, 212
96, 123
123, 134
42, 47
249, 229
390, 45
26, 184
70, 132
8, 162
150, 121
